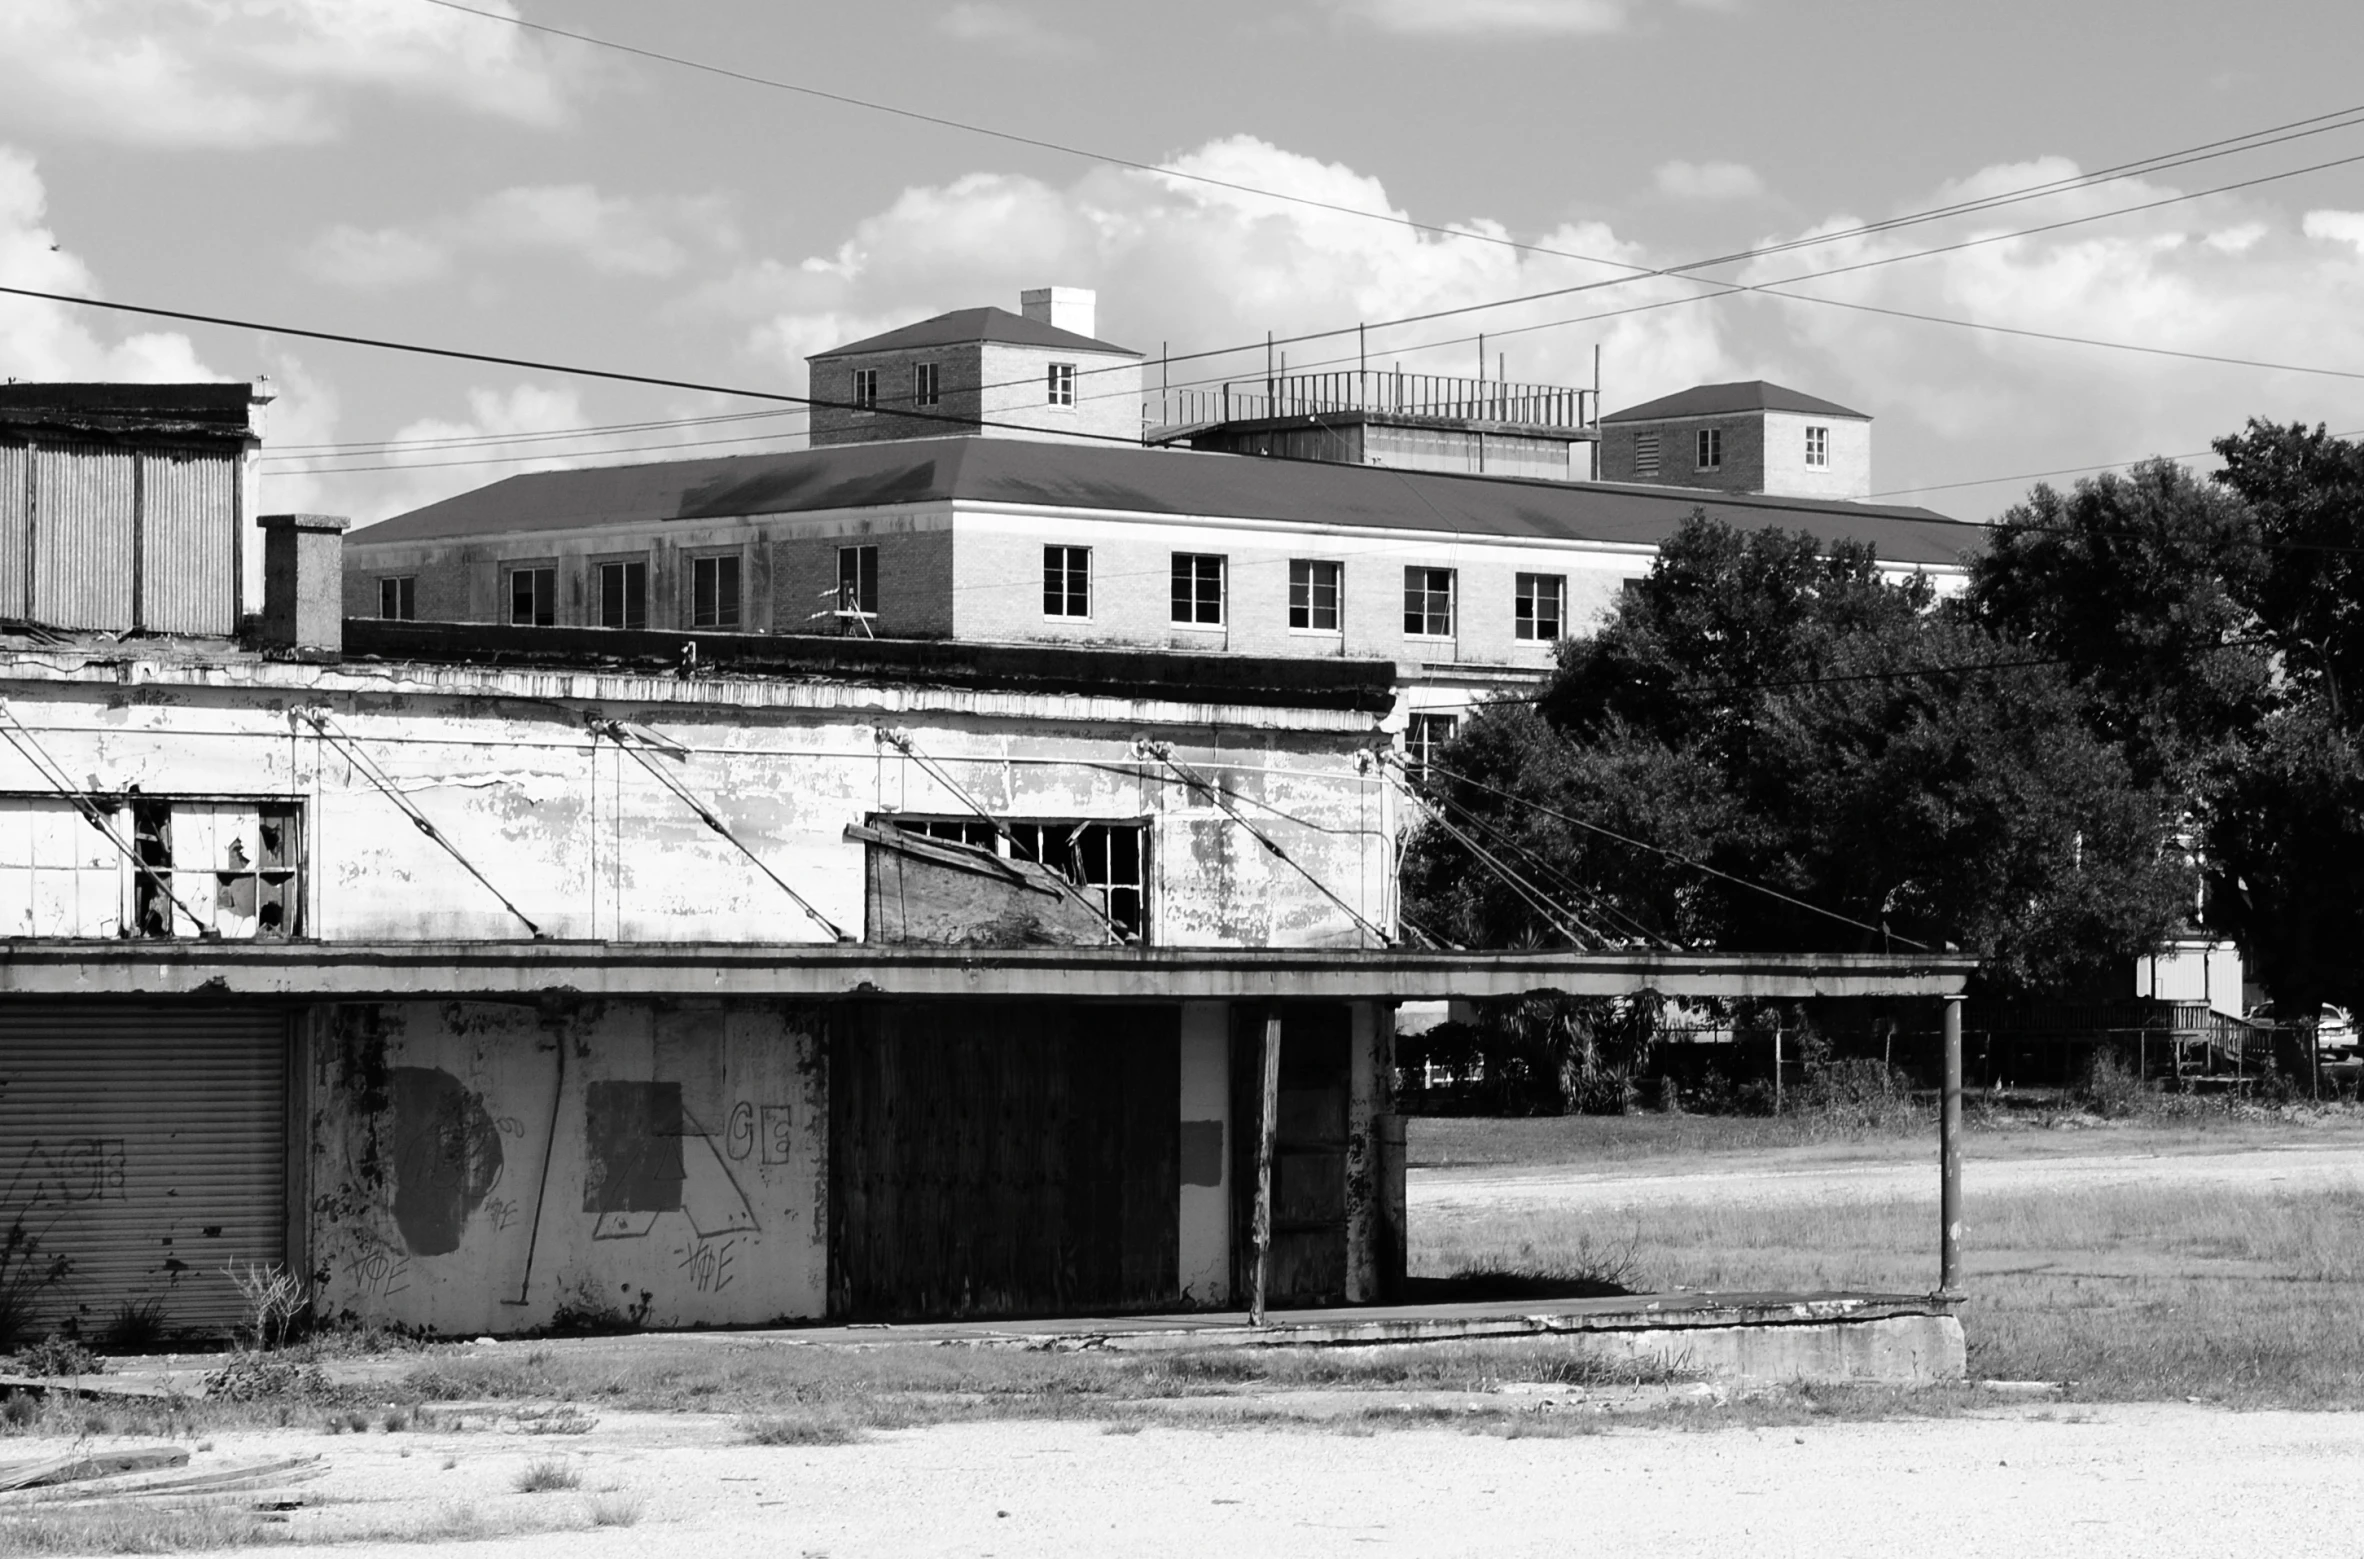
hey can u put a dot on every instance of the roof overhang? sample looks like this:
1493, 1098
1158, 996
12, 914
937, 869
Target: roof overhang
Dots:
360, 970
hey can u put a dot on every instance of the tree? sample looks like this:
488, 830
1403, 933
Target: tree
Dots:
2286, 858
2307, 489
1796, 721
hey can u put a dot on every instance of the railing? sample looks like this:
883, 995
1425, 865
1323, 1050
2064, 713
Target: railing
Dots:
1382, 390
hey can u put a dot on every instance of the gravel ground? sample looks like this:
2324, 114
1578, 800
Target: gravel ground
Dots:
2158, 1481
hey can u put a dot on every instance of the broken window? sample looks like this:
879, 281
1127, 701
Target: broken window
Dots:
1107, 860
857, 582
236, 866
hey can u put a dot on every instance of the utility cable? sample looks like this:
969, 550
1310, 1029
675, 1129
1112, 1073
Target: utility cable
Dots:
1566, 922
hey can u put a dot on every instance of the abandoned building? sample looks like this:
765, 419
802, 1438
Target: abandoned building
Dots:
492, 976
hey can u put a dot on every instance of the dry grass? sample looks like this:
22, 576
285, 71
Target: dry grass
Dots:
547, 1476
614, 1510
134, 1528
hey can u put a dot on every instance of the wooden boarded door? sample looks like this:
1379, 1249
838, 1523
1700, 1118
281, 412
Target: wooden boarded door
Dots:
1016, 1159
1308, 1262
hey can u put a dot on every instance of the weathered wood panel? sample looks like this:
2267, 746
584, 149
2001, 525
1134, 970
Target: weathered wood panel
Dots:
1308, 1260
1003, 1159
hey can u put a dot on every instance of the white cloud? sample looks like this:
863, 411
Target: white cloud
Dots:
614, 235
2345, 227
241, 73
1009, 30
44, 340
2239, 239
1708, 181
1469, 18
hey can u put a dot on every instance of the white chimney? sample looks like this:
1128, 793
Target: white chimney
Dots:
1062, 308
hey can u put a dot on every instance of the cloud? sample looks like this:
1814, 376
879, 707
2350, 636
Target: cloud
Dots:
246, 73
613, 235
1009, 30
44, 340
1471, 18
1708, 181
2345, 227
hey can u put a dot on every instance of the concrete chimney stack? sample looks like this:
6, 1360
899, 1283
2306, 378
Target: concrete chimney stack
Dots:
304, 583
1063, 308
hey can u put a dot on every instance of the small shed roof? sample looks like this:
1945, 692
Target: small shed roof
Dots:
1743, 395
967, 327
182, 410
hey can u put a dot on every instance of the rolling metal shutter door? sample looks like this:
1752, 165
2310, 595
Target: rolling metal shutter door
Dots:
147, 1145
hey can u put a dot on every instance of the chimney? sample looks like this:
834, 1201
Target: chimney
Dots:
304, 583
1062, 308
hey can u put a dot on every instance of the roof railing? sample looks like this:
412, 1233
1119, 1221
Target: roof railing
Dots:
1388, 391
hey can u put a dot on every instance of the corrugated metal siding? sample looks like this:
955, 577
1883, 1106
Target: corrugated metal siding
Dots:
147, 1145
188, 542
15, 461
83, 498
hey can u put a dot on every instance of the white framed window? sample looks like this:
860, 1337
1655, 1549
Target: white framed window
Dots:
1060, 385
1198, 589
1425, 739
533, 597
398, 598
1428, 603
865, 389
1818, 447
1067, 581
714, 591
1645, 454
1540, 607
1709, 449
927, 384
1313, 595
857, 581
623, 595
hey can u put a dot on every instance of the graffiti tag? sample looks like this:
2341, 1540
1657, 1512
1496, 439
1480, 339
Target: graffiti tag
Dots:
708, 1263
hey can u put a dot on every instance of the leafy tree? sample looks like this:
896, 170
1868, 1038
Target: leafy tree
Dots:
2286, 857
1798, 721
2307, 489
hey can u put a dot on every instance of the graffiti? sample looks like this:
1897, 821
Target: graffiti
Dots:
632, 1132
779, 1133
377, 1271
624, 1225
509, 1126
738, 1138
81, 1169
501, 1213
447, 1157
708, 1263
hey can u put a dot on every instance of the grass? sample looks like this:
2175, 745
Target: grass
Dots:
547, 1476
134, 1528
614, 1510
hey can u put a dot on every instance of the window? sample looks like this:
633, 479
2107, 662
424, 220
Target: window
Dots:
1198, 589
398, 599
926, 387
1818, 446
1313, 595
1710, 449
1428, 602
1062, 384
1425, 740
714, 592
865, 389
1645, 454
533, 597
1067, 581
1541, 607
234, 865
857, 581
623, 595
1104, 859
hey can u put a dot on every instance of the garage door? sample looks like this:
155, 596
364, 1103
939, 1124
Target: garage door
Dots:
147, 1146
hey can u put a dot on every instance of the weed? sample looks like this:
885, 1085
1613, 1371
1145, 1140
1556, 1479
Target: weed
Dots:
546, 1476
20, 1409
614, 1510
275, 1299
27, 1273
57, 1355
137, 1326
2110, 1089
249, 1376
395, 1421
134, 1527
819, 1429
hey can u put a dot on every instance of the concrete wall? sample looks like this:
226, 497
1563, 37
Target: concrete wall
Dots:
914, 574
959, 380
1107, 394
467, 582
995, 389
1763, 452
479, 1168
1206, 1191
1849, 474
589, 845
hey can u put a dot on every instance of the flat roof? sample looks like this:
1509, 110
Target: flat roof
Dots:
967, 327
202, 410
1131, 479
1712, 400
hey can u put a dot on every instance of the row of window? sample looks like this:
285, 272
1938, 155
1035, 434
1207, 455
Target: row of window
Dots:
1707, 450
1200, 597
927, 386
1539, 602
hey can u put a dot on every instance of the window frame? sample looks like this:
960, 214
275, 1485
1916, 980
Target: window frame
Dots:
1421, 744
1034, 834
1066, 589
927, 384
700, 562
1452, 595
597, 591
862, 606
1310, 587
1189, 594
1526, 617
1817, 447
1707, 449
865, 394
1059, 385
537, 567
405, 593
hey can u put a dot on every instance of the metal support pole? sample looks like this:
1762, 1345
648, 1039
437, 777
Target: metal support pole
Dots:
1949, 1155
1267, 1128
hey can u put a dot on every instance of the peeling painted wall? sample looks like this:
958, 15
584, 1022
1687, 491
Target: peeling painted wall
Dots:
481, 1167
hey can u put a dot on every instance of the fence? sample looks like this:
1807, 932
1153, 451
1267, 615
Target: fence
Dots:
1386, 390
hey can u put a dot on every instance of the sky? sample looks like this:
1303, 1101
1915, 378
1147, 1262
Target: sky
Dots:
402, 170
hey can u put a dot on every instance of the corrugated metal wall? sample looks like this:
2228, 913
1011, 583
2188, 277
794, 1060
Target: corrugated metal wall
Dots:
84, 506
188, 543
15, 461
146, 1144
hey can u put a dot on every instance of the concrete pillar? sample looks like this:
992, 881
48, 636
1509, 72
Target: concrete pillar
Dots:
1204, 1226
304, 582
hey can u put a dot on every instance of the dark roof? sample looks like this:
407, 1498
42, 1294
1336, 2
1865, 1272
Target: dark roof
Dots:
1262, 681
203, 410
1146, 481
963, 327
1711, 400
